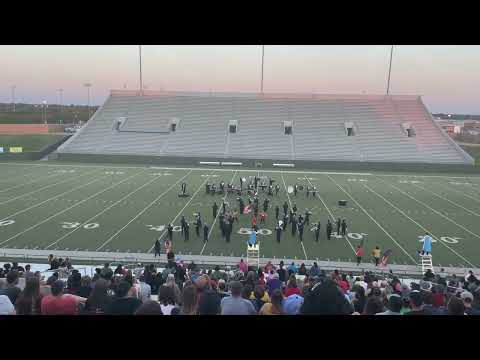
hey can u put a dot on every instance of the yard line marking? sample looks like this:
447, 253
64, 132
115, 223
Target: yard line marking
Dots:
68, 208
35, 191
141, 212
216, 217
290, 202
30, 182
15, 176
331, 215
103, 211
457, 191
419, 225
432, 209
444, 198
181, 211
55, 197
375, 221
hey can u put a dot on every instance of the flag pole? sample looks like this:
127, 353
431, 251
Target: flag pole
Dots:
389, 70
261, 83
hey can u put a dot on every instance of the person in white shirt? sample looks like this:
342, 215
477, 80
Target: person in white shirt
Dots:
145, 290
6, 306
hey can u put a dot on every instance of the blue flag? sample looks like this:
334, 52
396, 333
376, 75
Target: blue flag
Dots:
253, 238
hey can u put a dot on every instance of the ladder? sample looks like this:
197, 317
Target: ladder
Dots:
253, 254
426, 263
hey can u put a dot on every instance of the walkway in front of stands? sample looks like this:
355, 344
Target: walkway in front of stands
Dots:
78, 256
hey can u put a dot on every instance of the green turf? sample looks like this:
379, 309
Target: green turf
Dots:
41, 206
28, 142
474, 151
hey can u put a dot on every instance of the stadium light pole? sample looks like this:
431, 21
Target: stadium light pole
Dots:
88, 85
389, 70
44, 112
261, 83
61, 98
140, 63
13, 96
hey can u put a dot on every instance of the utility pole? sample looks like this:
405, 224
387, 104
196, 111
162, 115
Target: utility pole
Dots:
389, 70
140, 56
61, 98
263, 54
88, 85
13, 96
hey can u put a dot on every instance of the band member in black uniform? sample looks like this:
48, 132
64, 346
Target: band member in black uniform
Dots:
222, 187
187, 232
241, 205
182, 224
300, 230
228, 231
205, 233
317, 231
241, 183
198, 225
223, 207
157, 248
277, 188
344, 227
215, 210
278, 232
329, 229
295, 190
170, 232
294, 208
270, 190
308, 191
338, 226
307, 216
285, 208
265, 205
277, 210
294, 225
314, 191
284, 222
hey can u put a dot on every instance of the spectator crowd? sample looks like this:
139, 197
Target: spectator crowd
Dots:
241, 290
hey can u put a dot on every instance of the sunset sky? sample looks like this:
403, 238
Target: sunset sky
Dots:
448, 77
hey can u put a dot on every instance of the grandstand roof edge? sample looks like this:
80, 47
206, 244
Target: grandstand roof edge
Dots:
278, 95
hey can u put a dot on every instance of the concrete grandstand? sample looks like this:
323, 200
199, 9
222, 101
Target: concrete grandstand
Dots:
281, 127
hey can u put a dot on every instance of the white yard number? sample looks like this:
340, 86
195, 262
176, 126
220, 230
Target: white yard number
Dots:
6, 222
64, 171
156, 228
450, 240
246, 231
356, 236
114, 173
73, 225
409, 182
361, 180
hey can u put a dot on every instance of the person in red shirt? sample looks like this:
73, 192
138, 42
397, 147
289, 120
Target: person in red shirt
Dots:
438, 297
254, 223
359, 254
292, 287
59, 303
343, 283
263, 217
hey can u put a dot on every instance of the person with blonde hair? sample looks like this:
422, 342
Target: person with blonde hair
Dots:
275, 307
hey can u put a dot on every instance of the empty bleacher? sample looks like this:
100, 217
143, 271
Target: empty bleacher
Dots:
318, 128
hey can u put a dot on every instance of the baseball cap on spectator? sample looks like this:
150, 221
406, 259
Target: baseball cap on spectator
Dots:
292, 304
466, 295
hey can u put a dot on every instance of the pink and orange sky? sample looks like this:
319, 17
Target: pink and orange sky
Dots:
448, 77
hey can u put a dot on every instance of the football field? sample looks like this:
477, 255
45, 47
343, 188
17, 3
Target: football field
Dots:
114, 208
